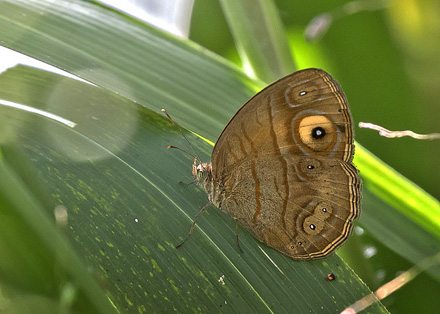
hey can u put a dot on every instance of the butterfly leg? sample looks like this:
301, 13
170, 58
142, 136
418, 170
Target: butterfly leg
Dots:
237, 228
194, 223
187, 183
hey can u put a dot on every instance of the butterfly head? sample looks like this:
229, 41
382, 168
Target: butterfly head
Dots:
201, 170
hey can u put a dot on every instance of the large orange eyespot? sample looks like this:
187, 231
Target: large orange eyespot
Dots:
316, 132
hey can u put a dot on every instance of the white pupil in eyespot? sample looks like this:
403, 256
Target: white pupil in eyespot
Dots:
302, 93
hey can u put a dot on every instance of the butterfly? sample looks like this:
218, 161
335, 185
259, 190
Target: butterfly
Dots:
282, 167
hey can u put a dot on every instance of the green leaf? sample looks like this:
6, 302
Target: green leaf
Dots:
39, 270
398, 191
127, 210
260, 37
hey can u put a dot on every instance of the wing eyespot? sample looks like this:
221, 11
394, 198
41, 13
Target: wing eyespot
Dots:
316, 132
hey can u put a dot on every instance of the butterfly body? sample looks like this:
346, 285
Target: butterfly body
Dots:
283, 166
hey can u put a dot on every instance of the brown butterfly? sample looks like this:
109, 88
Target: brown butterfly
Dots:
282, 167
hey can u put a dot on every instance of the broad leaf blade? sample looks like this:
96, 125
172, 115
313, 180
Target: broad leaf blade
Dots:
39, 269
127, 211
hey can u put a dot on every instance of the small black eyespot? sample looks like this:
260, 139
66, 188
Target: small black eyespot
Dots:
312, 226
318, 132
310, 167
303, 93
324, 210
300, 243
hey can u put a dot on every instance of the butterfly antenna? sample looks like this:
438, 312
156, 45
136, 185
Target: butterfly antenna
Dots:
182, 150
180, 131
